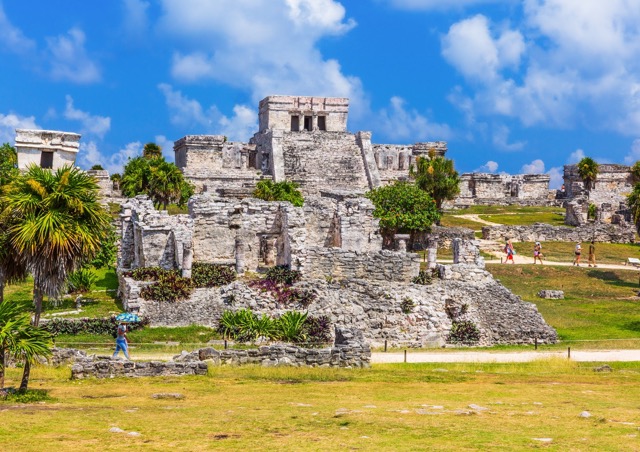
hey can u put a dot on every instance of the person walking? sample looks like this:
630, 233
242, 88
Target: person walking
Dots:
592, 254
578, 252
537, 252
122, 343
508, 248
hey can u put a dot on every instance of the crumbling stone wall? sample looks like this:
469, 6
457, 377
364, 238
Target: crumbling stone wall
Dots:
394, 160
611, 186
499, 189
600, 232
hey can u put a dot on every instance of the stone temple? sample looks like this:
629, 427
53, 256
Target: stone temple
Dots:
333, 240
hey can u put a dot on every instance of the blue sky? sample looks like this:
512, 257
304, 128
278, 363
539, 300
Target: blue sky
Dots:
513, 86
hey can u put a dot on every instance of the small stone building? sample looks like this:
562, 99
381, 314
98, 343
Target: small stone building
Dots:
500, 189
46, 148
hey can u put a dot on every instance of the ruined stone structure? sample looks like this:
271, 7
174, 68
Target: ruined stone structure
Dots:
504, 189
301, 139
46, 148
598, 231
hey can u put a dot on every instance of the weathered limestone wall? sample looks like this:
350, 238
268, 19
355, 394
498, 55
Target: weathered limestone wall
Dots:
600, 232
30, 145
612, 184
104, 183
375, 307
394, 160
105, 367
498, 189
213, 164
276, 113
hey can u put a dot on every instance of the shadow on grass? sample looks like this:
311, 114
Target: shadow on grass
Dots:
632, 326
610, 277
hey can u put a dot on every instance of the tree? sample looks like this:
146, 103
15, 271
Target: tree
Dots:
97, 168
403, 207
588, 171
58, 226
635, 172
116, 178
162, 181
12, 270
633, 200
152, 151
18, 338
437, 176
268, 190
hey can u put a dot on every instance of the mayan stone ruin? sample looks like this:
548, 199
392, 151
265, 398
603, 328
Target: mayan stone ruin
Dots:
333, 240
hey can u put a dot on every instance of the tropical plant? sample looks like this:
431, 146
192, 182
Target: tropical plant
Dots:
151, 151
211, 275
135, 178
169, 287
592, 211
106, 255
58, 226
407, 305
97, 168
588, 171
268, 190
464, 332
18, 338
283, 274
402, 206
290, 326
425, 277
437, 176
633, 200
81, 280
116, 178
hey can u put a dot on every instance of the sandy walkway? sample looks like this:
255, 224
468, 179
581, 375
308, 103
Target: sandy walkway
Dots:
505, 357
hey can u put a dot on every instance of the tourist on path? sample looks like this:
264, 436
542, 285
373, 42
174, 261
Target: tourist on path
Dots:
508, 248
122, 343
578, 252
592, 253
537, 252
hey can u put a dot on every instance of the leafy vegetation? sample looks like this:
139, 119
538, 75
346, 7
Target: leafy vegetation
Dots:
278, 281
169, 287
588, 170
97, 168
437, 176
105, 325
464, 332
425, 277
402, 207
81, 280
268, 190
211, 275
407, 305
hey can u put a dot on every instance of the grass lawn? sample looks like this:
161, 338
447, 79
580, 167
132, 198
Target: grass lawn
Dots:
527, 219
599, 304
449, 221
400, 407
606, 253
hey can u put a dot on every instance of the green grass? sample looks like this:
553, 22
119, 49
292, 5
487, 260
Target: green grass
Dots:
496, 210
599, 304
400, 407
606, 253
173, 209
526, 219
449, 221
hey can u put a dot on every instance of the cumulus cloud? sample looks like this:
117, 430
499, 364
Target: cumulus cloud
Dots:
91, 124
167, 147
634, 153
555, 177
578, 61
89, 155
575, 156
11, 38
10, 122
189, 113
489, 167
501, 139
535, 167
399, 123
68, 58
267, 46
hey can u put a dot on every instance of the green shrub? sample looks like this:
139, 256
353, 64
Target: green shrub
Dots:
282, 274
268, 190
317, 330
407, 305
211, 275
425, 277
81, 280
105, 325
148, 273
290, 326
25, 396
170, 287
464, 332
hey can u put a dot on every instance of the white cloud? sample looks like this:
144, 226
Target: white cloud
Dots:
535, 167
489, 167
89, 155
188, 112
575, 156
634, 154
556, 177
399, 123
10, 122
501, 139
11, 38
69, 60
579, 61
136, 21
267, 46
91, 124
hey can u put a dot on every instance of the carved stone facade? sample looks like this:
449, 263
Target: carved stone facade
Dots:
46, 148
504, 189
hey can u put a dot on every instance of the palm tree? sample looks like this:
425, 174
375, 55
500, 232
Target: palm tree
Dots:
151, 151
588, 171
166, 184
135, 178
58, 226
437, 176
20, 339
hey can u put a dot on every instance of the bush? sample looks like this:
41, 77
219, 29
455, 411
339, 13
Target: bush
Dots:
290, 326
464, 332
268, 190
317, 329
25, 395
282, 274
244, 326
278, 280
81, 280
425, 277
407, 305
148, 273
169, 287
105, 325
211, 275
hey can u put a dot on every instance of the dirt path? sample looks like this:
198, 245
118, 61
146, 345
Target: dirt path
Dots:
476, 218
505, 357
